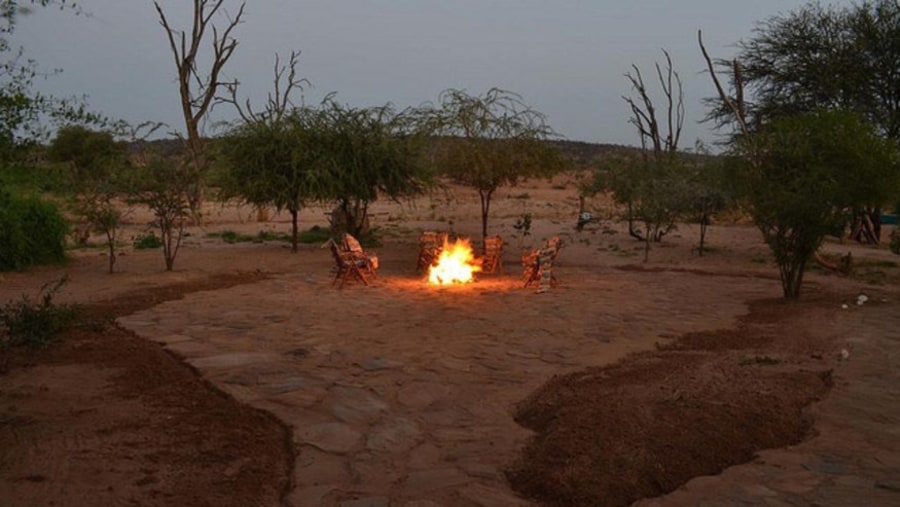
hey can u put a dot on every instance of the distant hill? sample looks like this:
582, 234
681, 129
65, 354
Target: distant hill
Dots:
587, 154
584, 154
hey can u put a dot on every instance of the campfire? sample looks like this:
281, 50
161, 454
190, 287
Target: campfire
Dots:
457, 264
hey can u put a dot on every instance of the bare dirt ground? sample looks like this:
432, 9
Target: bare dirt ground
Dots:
623, 383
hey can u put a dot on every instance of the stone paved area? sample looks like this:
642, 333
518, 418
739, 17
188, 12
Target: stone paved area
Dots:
854, 461
400, 394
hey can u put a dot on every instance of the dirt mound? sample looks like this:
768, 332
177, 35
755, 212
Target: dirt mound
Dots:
111, 419
644, 426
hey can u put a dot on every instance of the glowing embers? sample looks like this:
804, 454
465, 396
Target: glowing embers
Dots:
456, 264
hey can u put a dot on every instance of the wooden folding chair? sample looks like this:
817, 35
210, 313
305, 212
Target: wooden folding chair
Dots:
368, 260
347, 265
538, 265
430, 245
493, 255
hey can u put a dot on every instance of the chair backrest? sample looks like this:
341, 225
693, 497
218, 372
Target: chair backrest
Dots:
493, 245
352, 244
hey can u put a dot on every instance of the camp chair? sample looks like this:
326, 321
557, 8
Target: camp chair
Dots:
493, 255
538, 265
367, 260
430, 245
346, 265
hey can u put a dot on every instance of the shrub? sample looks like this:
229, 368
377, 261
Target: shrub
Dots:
36, 324
895, 240
315, 234
32, 232
147, 241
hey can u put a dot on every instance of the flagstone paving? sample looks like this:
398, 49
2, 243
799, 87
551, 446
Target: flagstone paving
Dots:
401, 394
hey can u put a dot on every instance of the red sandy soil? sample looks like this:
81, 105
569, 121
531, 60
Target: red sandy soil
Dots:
105, 418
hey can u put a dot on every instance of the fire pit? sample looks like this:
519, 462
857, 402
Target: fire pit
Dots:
456, 264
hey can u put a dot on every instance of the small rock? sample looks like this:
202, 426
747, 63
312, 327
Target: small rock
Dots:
844, 355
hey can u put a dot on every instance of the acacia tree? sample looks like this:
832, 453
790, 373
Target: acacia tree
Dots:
368, 153
270, 155
96, 162
491, 140
272, 161
159, 183
801, 171
23, 110
708, 191
198, 89
813, 166
842, 58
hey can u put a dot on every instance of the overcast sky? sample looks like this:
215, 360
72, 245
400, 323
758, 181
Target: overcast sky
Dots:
566, 58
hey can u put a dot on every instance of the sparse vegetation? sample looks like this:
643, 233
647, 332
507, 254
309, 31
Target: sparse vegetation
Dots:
35, 324
147, 241
32, 232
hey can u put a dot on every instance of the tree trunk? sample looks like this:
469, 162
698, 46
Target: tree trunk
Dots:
704, 223
262, 213
111, 243
295, 230
485, 196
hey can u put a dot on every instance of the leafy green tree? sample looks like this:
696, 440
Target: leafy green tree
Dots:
32, 232
708, 190
492, 140
96, 162
161, 185
825, 57
815, 57
90, 154
803, 171
654, 190
809, 169
369, 153
274, 161
24, 111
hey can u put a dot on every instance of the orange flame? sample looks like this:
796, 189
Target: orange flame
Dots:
456, 265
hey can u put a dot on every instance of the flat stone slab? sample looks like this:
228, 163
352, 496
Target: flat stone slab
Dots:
331, 437
316, 468
289, 385
233, 360
355, 405
419, 395
485, 496
394, 436
424, 481
375, 501
378, 363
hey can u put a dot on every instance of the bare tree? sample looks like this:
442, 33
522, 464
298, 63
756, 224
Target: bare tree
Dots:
278, 101
197, 88
647, 188
644, 113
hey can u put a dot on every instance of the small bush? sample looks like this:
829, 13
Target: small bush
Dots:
147, 241
314, 235
271, 236
32, 232
36, 324
232, 237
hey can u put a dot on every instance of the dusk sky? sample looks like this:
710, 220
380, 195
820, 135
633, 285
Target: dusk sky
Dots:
566, 58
